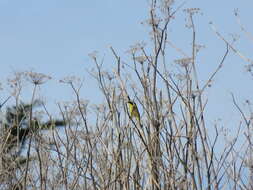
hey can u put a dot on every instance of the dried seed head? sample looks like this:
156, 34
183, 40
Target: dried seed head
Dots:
16, 83
136, 47
37, 78
165, 5
198, 47
180, 77
234, 37
184, 62
70, 79
93, 55
192, 11
141, 59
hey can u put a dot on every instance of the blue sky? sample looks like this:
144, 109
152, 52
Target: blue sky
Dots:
56, 36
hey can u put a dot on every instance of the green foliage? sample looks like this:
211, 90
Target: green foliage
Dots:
16, 128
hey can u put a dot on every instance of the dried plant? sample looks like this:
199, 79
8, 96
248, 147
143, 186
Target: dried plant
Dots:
102, 147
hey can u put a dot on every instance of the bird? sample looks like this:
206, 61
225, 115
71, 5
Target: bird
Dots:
133, 110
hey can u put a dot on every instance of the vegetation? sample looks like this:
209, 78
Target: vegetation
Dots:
104, 147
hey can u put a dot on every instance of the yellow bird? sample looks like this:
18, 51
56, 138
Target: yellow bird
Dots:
133, 110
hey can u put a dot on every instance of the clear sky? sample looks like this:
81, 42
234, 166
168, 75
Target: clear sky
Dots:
55, 37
